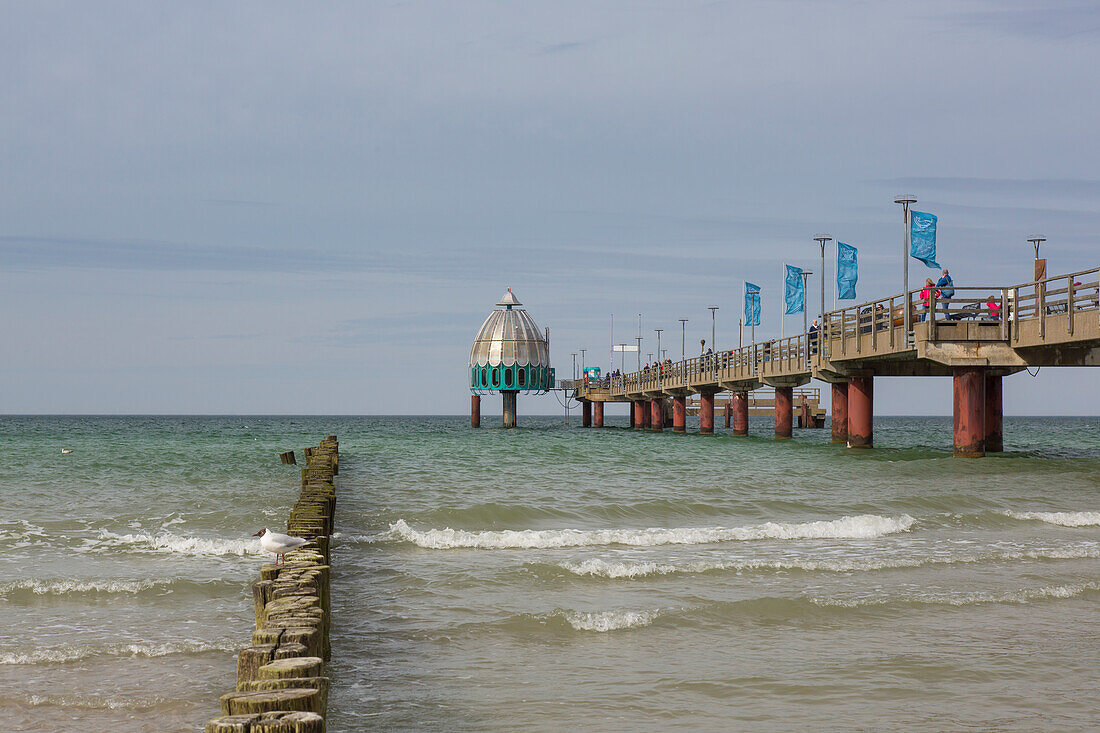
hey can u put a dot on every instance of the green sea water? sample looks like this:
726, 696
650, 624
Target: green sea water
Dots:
553, 578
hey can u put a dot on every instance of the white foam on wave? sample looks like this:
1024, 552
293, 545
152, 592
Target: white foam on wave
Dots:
74, 653
1064, 519
173, 543
609, 620
62, 587
858, 527
1024, 595
88, 702
621, 569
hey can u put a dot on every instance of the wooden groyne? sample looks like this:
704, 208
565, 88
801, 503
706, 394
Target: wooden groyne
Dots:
281, 683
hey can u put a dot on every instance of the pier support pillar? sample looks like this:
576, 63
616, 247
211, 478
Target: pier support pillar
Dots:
509, 409
969, 411
861, 399
679, 414
740, 420
475, 411
656, 414
729, 411
639, 414
586, 414
784, 412
706, 413
840, 412
597, 413
994, 416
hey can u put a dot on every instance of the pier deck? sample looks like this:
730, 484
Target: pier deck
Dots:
979, 335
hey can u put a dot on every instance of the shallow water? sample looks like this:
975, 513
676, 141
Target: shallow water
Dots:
548, 578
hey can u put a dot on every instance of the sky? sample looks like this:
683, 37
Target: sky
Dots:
274, 207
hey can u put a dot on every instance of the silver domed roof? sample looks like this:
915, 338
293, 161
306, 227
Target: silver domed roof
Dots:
509, 336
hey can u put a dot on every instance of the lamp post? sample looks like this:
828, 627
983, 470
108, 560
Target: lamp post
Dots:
658, 330
821, 239
683, 343
805, 274
574, 365
1040, 265
639, 337
582, 360
712, 308
905, 200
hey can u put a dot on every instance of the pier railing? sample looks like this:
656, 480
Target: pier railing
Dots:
1025, 314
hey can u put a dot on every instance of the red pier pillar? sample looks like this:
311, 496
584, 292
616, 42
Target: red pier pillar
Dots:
740, 420
840, 412
639, 414
994, 416
679, 414
969, 411
586, 414
656, 414
475, 411
784, 412
597, 413
861, 399
706, 413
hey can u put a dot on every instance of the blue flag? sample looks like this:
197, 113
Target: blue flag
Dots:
795, 293
847, 271
922, 238
752, 304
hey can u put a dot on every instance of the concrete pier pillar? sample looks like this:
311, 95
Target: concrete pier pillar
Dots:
597, 414
639, 414
509, 409
840, 412
475, 411
861, 399
586, 414
784, 412
679, 414
706, 413
656, 414
969, 411
729, 411
994, 416
740, 419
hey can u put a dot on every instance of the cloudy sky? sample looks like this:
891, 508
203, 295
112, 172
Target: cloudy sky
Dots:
277, 207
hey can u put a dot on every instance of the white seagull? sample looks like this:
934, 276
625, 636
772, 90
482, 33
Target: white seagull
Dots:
66, 451
278, 543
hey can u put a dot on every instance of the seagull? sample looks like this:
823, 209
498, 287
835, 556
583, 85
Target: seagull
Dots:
66, 451
280, 544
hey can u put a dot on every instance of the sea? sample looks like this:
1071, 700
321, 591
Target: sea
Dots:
555, 578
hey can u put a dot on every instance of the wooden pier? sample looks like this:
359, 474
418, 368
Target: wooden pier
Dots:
977, 337
281, 683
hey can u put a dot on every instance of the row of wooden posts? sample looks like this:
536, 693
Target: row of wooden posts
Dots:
281, 683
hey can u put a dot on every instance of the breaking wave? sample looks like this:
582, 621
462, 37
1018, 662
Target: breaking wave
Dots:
615, 569
172, 543
1024, 595
1064, 519
74, 653
858, 527
30, 587
608, 620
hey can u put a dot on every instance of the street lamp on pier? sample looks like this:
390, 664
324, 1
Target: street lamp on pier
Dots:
905, 200
658, 330
1040, 265
712, 308
821, 239
683, 343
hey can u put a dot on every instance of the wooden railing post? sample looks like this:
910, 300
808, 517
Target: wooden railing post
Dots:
1069, 305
